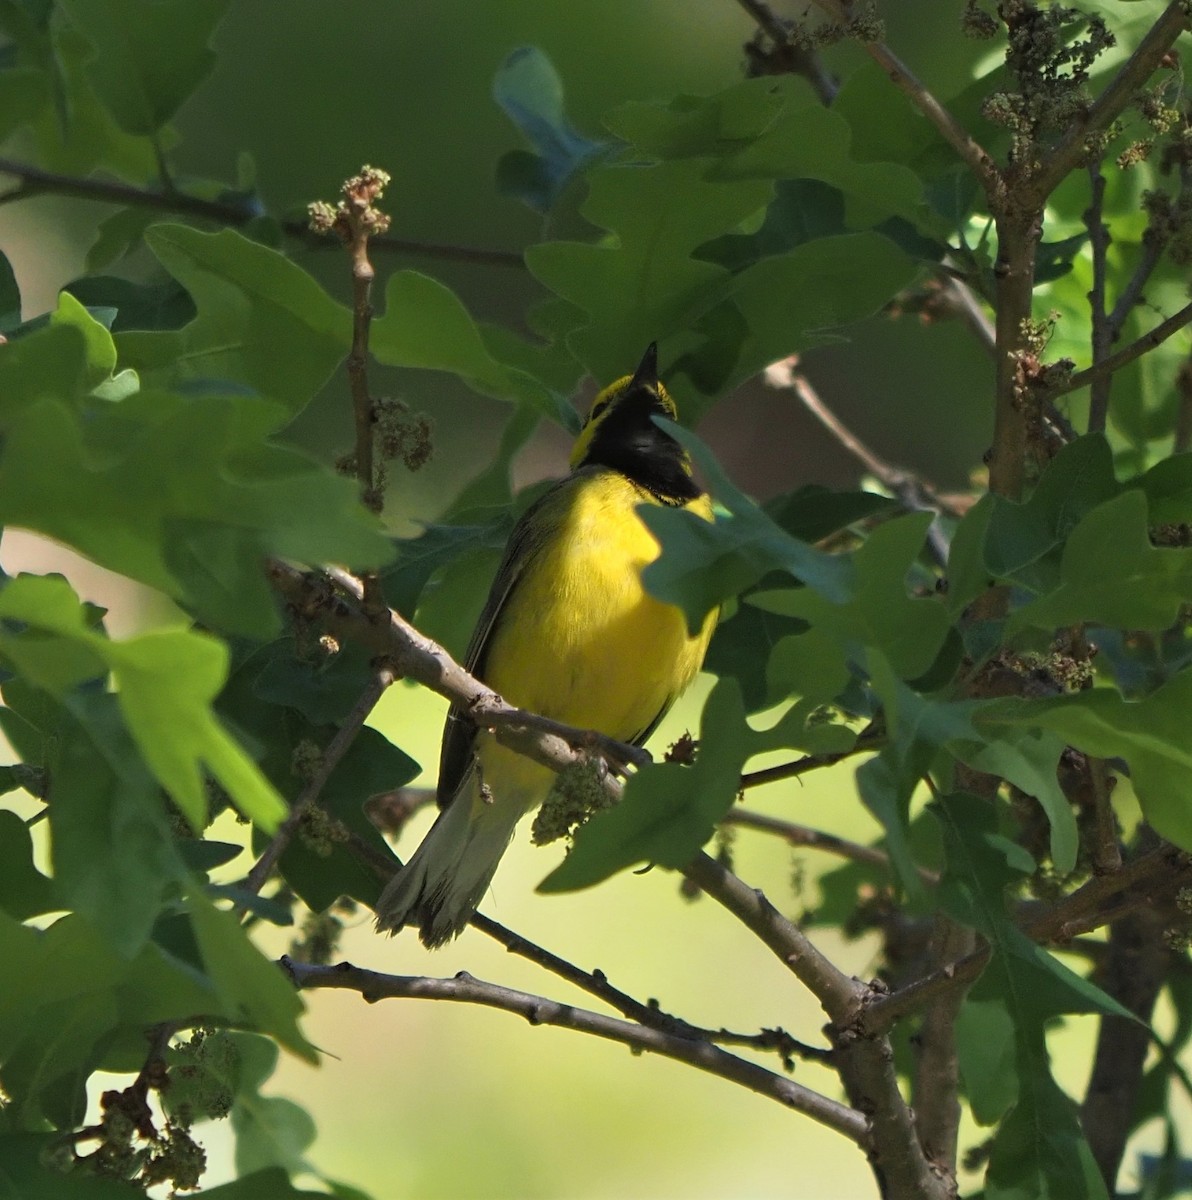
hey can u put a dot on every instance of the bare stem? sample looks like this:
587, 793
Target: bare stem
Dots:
538, 1010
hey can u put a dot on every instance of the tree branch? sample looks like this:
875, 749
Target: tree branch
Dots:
1133, 974
937, 1072
313, 598
37, 181
538, 1010
1123, 357
817, 839
1068, 153
1104, 898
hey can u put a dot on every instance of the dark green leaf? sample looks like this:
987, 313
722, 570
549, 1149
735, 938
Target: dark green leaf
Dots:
1022, 539
372, 765
669, 811
149, 58
1110, 574
271, 1183
24, 891
138, 305
26, 1173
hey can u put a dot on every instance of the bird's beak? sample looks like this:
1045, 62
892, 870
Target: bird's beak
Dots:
646, 375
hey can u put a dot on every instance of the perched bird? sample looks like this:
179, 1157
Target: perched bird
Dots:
568, 632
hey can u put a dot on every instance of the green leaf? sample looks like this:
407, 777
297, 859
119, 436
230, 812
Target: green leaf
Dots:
24, 891
116, 236
10, 293
530, 93
1029, 758
372, 765
420, 558
45, 364
968, 576
26, 1175
113, 851
425, 326
669, 811
1110, 574
250, 987
1039, 1149
908, 630
647, 285
165, 305
1150, 734
704, 563
263, 321
149, 58
71, 1005
165, 682
1039, 1153
76, 132
183, 494
270, 1130
323, 688
766, 128
1022, 539
271, 1183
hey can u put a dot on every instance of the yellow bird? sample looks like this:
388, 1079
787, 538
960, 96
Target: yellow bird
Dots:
568, 632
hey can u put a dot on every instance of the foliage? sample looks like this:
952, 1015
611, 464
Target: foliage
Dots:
1019, 656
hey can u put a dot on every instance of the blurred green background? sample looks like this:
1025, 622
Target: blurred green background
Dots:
431, 1100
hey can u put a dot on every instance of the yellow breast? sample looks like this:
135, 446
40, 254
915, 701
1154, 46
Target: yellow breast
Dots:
580, 640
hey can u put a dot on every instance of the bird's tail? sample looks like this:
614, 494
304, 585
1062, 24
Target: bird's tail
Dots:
445, 879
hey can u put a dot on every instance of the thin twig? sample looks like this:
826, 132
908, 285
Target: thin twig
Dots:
355, 220
970, 309
538, 1010
597, 984
911, 491
1154, 242
869, 740
1125, 356
1101, 335
339, 745
36, 182
817, 839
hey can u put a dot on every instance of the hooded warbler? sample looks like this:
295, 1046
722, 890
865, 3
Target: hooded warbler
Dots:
569, 632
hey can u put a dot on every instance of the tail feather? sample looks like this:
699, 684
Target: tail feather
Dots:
445, 879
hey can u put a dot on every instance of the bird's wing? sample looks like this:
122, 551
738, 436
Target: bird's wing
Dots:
529, 535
